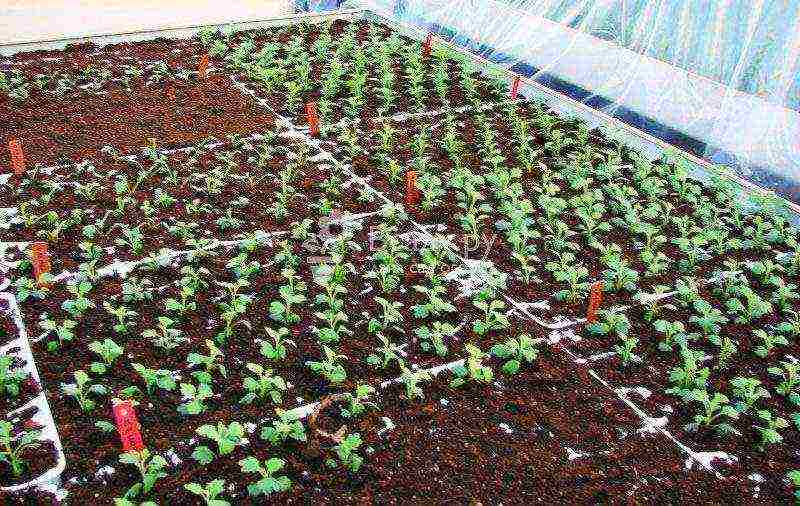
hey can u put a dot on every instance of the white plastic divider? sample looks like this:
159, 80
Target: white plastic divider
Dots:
43, 416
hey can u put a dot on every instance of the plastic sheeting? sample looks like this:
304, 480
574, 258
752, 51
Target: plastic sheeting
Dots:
719, 78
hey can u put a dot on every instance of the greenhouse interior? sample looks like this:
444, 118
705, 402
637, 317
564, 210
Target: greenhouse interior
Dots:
399, 252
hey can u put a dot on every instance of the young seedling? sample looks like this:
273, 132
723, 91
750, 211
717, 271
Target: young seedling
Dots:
789, 374
275, 350
690, 376
357, 402
674, 333
749, 391
11, 446
329, 366
517, 351
769, 431
625, 349
411, 380
346, 451
123, 315
269, 483
433, 337
287, 426
227, 437
291, 293
78, 306
150, 467
493, 317
155, 378
473, 370
263, 385
210, 363
390, 315
81, 391
195, 398
768, 342
716, 411
166, 336
10, 379
63, 332
209, 493
387, 352
108, 350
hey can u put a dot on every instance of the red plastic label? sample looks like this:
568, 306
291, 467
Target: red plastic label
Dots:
313, 118
412, 193
40, 259
202, 69
17, 156
128, 426
595, 299
426, 48
515, 87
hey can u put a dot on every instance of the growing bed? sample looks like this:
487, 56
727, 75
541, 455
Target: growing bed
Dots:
291, 328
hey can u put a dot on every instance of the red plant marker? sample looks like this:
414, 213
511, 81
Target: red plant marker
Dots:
171, 95
595, 299
41, 261
426, 48
202, 68
515, 87
127, 425
412, 193
313, 118
17, 156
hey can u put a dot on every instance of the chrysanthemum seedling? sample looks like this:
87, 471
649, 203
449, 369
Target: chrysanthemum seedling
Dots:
515, 351
749, 391
357, 402
63, 331
433, 337
151, 469
82, 391
10, 378
689, 376
716, 412
329, 367
789, 374
227, 437
493, 316
389, 316
287, 426
386, 353
674, 333
155, 378
262, 385
166, 337
81, 303
108, 350
436, 303
768, 342
209, 493
291, 293
195, 398
123, 315
473, 369
769, 430
269, 482
12, 446
346, 451
275, 350
411, 380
